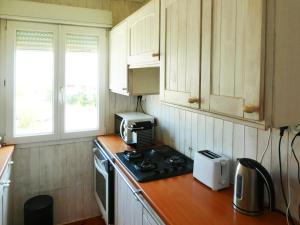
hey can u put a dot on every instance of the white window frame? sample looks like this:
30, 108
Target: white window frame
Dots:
59, 61
101, 33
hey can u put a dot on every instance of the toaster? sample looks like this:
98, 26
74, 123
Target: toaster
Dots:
212, 169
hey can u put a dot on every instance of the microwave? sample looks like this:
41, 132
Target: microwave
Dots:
135, 128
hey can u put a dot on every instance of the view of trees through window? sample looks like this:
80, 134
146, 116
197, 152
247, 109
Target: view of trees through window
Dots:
36, 76
34, 83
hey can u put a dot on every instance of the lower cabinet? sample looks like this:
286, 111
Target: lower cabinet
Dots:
129, 210
5, 194
147, 218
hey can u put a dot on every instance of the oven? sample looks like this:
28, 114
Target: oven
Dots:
104, 182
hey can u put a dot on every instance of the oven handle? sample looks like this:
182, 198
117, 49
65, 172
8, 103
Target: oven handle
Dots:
101, 170
104, 152
137, 194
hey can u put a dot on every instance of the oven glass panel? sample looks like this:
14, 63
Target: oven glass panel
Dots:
101, 188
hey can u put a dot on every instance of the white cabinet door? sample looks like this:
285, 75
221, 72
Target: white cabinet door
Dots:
143, 28
6, 204
232, 76
129, 211
180, 52
1, 204
118, 69
147, 218
5, 195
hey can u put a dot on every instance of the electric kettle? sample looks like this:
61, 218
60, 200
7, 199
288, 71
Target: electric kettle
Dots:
249, 181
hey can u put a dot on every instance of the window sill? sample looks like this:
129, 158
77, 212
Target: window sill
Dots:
55, 142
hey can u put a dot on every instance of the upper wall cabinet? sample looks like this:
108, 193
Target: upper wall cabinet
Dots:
232, 68
134, 82
180, 52
118, 69
134, 53
143, 31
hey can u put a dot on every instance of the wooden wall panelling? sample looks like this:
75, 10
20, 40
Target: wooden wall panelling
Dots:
209, 133
177, 127
64, 172
172, 127
218, 136
194, 130
238, 144
228, 144
201, 133
262, 142
120, 8
275, 165
294, 174
188, 134
251, 143
182, 128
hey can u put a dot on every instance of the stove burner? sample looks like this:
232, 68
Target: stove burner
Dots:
132, 155
176, 160
146, 165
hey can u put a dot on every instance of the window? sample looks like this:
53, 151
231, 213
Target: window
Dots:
81, 83
56, 81
34, 64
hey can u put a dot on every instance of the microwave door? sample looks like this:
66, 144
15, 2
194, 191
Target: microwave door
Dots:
101, 188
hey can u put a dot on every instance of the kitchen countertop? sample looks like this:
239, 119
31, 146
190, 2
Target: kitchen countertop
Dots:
5, 154
184, 200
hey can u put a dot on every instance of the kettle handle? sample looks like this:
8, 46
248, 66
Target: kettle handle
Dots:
268, 181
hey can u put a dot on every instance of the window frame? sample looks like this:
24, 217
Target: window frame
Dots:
59, 76
102, 38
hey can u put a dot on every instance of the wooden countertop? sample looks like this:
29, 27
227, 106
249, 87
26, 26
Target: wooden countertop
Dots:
5, 154
183, 200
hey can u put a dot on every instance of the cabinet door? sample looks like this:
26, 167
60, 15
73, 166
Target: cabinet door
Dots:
180, 52
232, 76
143, 28
129, 211
118, 76
6, 194
147, 218
6, 204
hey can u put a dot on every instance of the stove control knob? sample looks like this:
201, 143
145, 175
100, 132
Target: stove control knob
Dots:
172, 169
162, 171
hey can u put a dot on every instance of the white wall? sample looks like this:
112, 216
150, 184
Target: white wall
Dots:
185, 130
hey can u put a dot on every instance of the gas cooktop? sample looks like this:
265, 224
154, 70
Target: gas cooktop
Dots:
155, 163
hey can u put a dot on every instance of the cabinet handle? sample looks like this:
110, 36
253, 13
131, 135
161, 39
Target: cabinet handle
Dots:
251, 108
193, 100
10, 162
155, 54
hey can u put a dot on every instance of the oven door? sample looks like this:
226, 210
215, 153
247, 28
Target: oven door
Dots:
101, 181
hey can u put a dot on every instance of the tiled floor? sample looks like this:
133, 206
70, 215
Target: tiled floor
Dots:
92, 221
